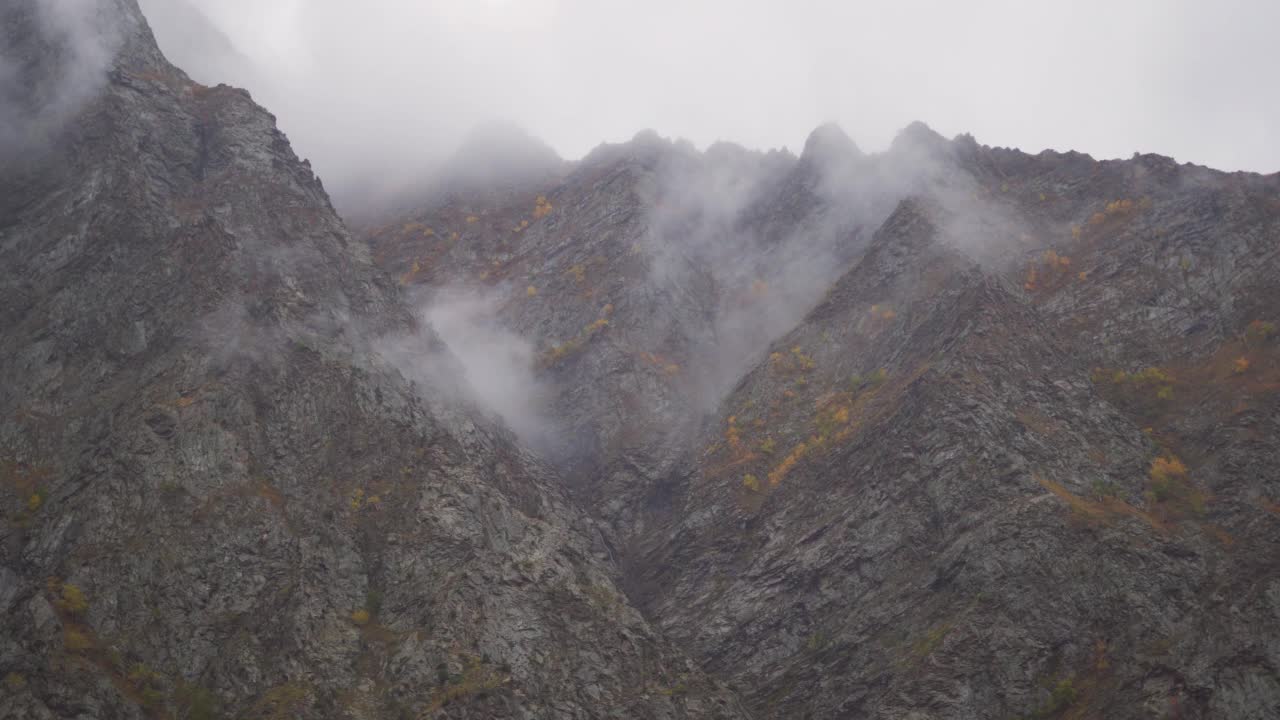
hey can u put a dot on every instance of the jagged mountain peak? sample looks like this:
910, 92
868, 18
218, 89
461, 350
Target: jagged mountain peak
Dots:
726, 151
647, 148
497, 153
917, 136
829, 142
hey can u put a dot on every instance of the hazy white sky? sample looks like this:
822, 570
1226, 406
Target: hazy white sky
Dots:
360, 84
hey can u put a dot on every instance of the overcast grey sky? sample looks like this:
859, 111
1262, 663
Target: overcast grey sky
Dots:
364, 85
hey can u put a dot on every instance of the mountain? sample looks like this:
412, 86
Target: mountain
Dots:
220, 500
949, 431
943, 431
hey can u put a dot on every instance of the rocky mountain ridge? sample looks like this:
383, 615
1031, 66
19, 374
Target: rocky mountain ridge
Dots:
1002, 458
944, 431
220, 501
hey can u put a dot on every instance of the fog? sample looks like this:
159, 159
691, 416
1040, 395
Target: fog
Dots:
375, 91
381, 94
390, 98
36, 99
771, 233
486, 363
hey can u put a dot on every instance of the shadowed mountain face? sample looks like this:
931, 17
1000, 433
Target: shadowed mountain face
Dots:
947, 431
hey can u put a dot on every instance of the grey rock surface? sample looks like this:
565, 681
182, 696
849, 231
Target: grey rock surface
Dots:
1010, 451
219, 501
946, 431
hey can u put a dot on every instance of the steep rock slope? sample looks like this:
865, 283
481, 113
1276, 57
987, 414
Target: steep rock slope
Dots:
218, 501
569, 267
647, 280
1015, 457
989, 489
949, 431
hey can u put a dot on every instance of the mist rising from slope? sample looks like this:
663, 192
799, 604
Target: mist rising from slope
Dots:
497, 365
478, 362
74, 43
773, 233
744, 244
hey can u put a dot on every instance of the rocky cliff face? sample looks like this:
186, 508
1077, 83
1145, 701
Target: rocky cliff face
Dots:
219, 501
923, 505
947, 431
992, 437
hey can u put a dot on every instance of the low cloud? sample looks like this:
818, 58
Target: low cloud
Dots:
378, 89
477, 361
54, 57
